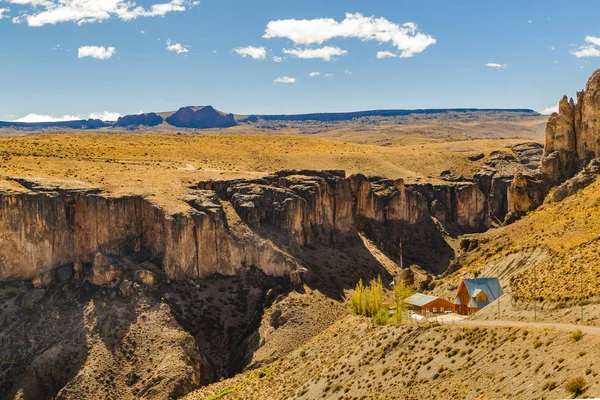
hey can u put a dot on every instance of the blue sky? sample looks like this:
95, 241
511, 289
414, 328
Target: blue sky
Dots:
536, 45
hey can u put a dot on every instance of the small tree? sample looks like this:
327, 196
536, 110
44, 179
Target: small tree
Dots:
401, 292
368, 300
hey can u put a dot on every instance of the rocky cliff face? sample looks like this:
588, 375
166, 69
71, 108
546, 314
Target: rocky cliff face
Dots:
572, 141
230, 225
201, 118
51, 226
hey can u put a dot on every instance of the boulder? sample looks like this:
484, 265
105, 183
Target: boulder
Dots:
103, 272
44, 279
145, 277
65, 273
476, 157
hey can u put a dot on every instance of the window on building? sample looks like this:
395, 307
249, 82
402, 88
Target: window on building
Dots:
441, 309
427, 309
434, 310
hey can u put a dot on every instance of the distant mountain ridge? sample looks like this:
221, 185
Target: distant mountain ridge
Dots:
344, 116
206, 117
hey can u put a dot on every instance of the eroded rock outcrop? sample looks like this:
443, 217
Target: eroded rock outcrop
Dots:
572, 141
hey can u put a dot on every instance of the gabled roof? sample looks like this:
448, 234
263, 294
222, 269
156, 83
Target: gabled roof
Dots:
490, 286
457, 301
420, 299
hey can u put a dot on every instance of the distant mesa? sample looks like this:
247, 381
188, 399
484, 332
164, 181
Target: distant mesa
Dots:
149, 119
201, 118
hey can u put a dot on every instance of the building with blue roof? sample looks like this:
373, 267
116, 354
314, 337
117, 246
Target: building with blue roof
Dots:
475, 293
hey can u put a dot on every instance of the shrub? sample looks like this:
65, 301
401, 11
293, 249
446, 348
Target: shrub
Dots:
576, 336
550, 385
382, 317
576, 386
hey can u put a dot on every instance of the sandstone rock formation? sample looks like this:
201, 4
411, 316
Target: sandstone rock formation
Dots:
572, 141
229, 225
584, 178
201, 118
496, 175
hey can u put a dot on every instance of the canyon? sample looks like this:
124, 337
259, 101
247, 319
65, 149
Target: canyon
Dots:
54, 224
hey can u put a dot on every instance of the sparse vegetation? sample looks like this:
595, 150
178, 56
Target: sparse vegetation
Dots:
576, 386
576, 336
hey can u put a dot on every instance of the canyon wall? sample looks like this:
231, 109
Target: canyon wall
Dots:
572, 141
231, 224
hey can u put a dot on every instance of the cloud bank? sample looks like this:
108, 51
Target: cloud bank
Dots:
38, 13
35, 118
496, 65
406, 37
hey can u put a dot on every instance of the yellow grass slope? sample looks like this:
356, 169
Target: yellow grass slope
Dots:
162, 166
561, 240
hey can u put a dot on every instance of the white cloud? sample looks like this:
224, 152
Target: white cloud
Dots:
33, 118
258, 53
586, 51
385, 54
406, 37
347, 72
142, 32
30, 118
593, 40
589, 50
550, 110
552, 48
314, 74
105, 116
2, 11
277, 59
176, 47
496, 65
284, 79
98, 52
328, 75
42, 12
324, 53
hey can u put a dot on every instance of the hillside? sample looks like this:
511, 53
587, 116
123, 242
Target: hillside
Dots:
354, 359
